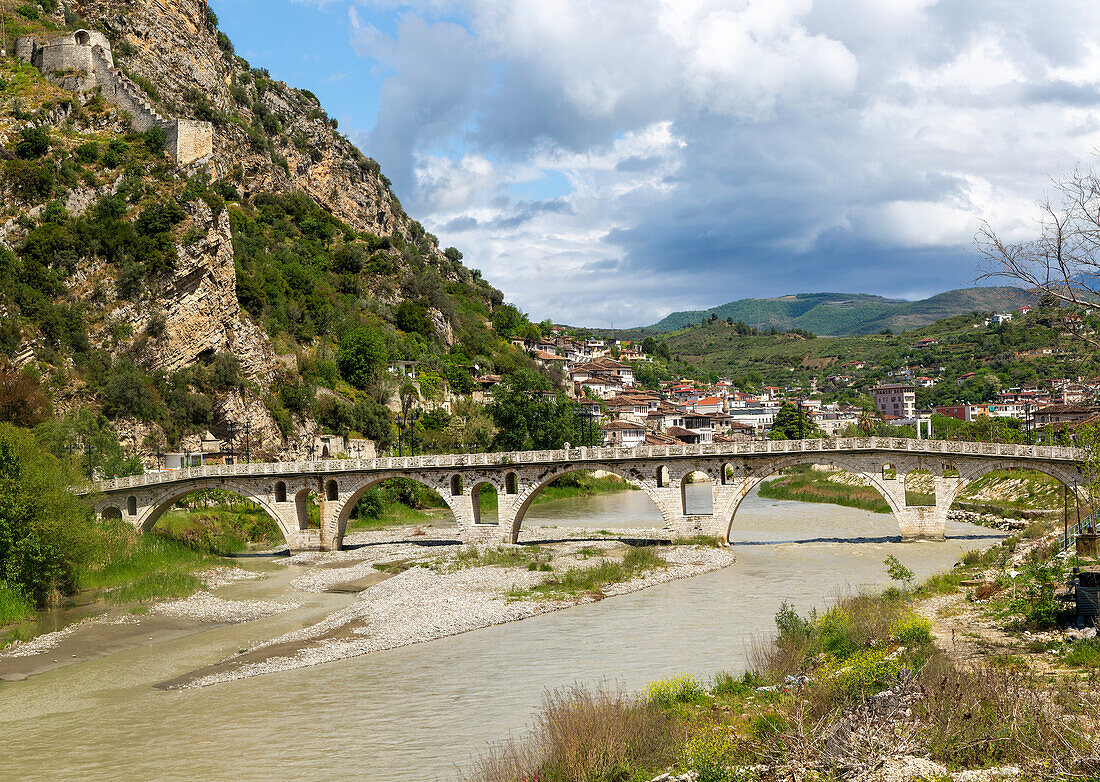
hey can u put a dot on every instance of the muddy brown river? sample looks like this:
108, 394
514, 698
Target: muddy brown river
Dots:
420, 712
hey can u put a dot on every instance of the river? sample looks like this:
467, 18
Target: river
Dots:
418, 712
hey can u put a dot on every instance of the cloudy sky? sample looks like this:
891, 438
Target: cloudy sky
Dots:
609, 161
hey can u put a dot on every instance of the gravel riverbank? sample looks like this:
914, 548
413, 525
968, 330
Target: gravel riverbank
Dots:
436, 595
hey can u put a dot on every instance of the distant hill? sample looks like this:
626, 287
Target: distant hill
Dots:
842, 314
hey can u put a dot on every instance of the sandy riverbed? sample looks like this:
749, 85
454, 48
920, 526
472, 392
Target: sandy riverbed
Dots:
408, 588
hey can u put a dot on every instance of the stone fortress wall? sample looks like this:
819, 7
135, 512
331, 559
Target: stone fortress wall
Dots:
82, 62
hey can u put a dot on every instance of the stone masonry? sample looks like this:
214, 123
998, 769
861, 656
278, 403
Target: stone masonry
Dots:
82, 62
283, 489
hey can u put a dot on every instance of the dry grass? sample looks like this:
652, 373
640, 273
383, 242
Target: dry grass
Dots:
581, 735
1002, 715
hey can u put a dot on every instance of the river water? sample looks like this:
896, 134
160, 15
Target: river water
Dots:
420, 712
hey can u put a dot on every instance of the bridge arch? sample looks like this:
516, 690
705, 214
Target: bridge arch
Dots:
969, 471
346, 506
163, 501
475, 502
690, 479
757, 475
528, 493
111, 512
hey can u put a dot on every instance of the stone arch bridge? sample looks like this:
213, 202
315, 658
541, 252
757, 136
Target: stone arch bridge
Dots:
282, 489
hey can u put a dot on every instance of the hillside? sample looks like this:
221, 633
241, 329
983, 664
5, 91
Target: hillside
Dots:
840, 314
265, 283
1020, 351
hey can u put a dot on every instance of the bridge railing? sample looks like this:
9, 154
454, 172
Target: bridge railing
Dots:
592, 454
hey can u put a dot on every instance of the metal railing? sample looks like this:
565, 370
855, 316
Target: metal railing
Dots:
1085, 524
591, 454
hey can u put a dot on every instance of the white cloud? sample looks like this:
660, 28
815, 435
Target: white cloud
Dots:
696, 151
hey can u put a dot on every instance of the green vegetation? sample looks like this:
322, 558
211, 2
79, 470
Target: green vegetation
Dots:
219, 522
397, 501
806, 485
591, 580
793, 424
51, 547
500, 556
529, 416
128, 566
1013, 493
970, 361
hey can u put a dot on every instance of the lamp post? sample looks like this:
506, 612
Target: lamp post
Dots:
231, 430
801, 433
1027, 420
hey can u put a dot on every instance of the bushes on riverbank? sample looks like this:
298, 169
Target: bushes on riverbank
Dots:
832, 692
52, 547
46, 534
219, 522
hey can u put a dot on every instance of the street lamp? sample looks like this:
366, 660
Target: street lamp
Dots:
231, 430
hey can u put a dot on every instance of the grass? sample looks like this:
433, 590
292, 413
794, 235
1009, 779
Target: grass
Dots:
592, 580
710, 541
221, 529
396, 514
133, 567
14, 605
582, 735
815, 486
1083, 654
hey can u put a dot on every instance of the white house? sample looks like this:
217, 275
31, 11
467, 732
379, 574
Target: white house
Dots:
623, 434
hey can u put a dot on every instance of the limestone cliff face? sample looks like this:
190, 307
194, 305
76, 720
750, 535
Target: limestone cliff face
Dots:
172, 46
267, 138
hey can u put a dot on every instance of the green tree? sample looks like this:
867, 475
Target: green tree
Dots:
362, 356
529, 417
45, 532
790, 424
412, 318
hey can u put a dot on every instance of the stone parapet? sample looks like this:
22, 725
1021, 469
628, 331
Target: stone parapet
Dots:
733, 470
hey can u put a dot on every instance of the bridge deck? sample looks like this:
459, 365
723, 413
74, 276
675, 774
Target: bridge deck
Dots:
594, 455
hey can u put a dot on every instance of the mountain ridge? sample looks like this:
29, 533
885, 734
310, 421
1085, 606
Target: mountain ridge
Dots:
845, 314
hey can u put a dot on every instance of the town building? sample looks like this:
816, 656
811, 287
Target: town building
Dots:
896, 399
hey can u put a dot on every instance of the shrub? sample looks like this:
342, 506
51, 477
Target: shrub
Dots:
669, 691
156, 139
87, 153
709, 751
45, 532
913, 630
34, 142
30, 180
362, 354
865, 671
582, 735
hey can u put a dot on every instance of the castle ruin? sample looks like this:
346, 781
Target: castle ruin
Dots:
82, 62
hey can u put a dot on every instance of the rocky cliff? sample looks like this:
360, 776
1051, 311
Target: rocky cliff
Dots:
141, 260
